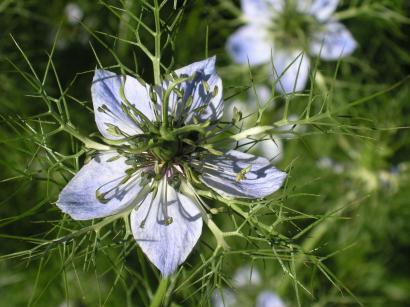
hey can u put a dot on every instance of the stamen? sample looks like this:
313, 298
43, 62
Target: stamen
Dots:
153, 197
242, 174
168, 219
127, 110
189, 190
188, 102
113, 158
215, 91
209, 166
112, 129
180, 94
205, 85
153, 95
103, 196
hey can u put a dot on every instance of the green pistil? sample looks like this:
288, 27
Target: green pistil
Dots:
176, 146
166, 151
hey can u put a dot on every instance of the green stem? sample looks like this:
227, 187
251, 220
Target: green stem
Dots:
75, 133
160, 293
156, 61
87, 142
218, 234
242, 213
314, 237
123, 30
353, 12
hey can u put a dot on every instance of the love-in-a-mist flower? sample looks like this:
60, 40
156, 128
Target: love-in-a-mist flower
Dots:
158, 153
286, 33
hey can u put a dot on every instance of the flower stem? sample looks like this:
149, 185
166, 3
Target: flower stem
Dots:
156, 60
87, 142
160, 293
218, 234
308, 245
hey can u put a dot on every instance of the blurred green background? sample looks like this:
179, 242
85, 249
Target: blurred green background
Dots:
357, 172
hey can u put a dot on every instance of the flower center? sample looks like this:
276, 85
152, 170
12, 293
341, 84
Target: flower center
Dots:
167, 151
174, 149
293, 28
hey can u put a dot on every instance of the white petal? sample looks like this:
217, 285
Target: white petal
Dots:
221, 174
261, 11
246, 276
321, 9
207, 102
166, 246
250, 43
79, 197
334, 42
223, 298
269, 299
291, 69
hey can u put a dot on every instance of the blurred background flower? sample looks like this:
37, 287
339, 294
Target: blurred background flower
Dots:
248, 290
283, 34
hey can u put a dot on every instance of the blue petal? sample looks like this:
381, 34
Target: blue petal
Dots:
221, 174
137, 94
106, 93
223, 298
205, 88
333, 42
269, 299
79, 197
261, 11
246, 276
250, 43
166, 246
321, 9
291, 70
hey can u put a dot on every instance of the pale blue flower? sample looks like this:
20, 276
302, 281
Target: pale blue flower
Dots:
244, 278
330, 164
73, 13
269, 299
288, 32
147, 173
223, 298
